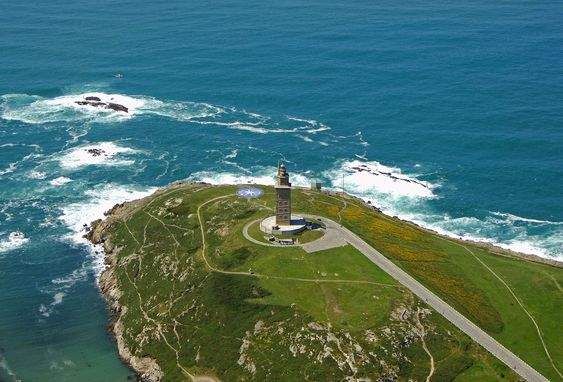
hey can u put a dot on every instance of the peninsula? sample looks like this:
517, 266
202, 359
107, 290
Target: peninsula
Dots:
225, 283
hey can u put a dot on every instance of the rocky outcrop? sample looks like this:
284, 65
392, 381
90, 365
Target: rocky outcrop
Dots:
117, 107
97, 102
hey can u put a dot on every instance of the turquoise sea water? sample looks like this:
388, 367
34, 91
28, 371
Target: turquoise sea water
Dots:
447, 114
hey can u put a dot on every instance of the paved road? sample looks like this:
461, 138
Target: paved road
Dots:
465, 325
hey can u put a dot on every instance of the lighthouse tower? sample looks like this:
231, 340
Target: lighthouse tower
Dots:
282, 223
283, 197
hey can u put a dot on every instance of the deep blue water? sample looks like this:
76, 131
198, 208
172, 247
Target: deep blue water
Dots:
453, 110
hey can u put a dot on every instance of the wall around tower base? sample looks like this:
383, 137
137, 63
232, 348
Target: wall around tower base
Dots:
269, 226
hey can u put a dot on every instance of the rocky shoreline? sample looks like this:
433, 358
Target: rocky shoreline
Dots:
147, 368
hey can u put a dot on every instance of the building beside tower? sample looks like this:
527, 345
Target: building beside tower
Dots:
283, 197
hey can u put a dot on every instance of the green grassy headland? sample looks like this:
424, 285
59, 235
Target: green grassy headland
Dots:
242, 311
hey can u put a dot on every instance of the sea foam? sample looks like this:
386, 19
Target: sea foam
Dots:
38, 110
101, 153
372, 178
14, 240
77, 216
60, 181
260, 175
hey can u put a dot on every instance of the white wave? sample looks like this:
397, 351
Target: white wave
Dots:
69, 101
14, 240
60, 286
11, 168
71, 279
309, 140
362, 157
311, 126
491, 231
247, 126
179, 110
231, 178
514, 218
100, 154
263, 175
305, 138
37, 110
235, 164
232, 155
309, 121
368, 179
47, 310
60, 181
36, 175
78, 216
72, 108
34, 146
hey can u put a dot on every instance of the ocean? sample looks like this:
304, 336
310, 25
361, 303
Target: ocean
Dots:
448, 114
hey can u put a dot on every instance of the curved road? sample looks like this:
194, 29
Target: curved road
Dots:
452, 315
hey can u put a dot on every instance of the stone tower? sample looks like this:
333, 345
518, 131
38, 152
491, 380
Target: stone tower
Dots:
283, 197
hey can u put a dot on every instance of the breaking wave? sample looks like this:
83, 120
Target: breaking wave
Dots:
374, 178
75, 108
101, 154
37, 110
14, 240
261, 175
78, 216
515, 219
60, 181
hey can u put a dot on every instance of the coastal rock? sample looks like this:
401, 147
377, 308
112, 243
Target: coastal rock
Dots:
97, 102
95, 235
117, 107
95, 152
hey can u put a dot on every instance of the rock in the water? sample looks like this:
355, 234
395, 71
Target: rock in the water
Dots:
95, 152
117, 107
96, 102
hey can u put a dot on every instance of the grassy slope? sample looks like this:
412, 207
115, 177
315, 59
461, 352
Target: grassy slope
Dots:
450, 270
205, 322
